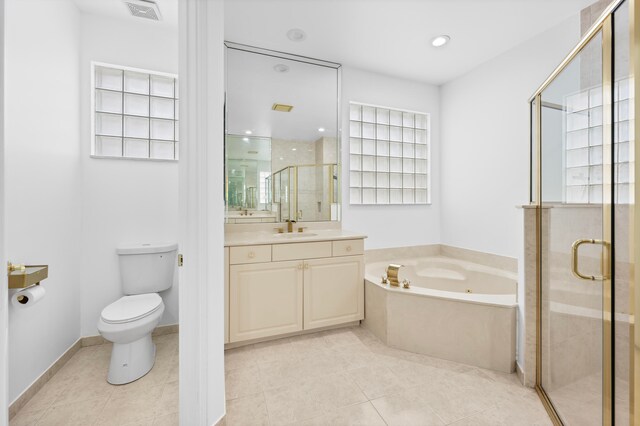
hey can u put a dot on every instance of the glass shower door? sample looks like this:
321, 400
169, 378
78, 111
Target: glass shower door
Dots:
573, 232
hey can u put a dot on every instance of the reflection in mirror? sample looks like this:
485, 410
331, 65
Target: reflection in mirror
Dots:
281, 145
248, 164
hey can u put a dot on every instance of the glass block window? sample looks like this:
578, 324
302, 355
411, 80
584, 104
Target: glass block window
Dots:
389, 156
583, 142
135, 113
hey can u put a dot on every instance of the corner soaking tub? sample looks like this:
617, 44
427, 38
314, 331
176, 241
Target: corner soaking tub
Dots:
454, 310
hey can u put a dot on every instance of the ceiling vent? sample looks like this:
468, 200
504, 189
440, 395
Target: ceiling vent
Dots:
282, 107
144, 9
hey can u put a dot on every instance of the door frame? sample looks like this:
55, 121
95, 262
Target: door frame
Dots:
201, 293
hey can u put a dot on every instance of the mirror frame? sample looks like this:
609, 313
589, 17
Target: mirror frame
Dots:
298, 58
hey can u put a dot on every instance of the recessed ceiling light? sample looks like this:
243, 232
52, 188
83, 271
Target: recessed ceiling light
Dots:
248, 132
321, 129
281, 68
440, 40
282, 158
294, 149
245, 139
296, 34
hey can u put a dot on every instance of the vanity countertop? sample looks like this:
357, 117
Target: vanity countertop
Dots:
311, 235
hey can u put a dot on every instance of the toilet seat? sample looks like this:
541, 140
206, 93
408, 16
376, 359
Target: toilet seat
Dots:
131, 308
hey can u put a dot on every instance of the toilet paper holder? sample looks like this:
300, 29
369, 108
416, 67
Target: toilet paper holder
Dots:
23, 276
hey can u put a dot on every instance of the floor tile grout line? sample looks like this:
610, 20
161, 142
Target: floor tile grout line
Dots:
379, 413
266, 407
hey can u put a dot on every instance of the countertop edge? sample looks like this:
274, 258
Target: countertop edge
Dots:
264, 240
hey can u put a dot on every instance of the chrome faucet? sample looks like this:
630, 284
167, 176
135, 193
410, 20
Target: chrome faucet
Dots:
290, 225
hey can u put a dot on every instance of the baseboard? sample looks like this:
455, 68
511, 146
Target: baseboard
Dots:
28, 393
159, 331
286, 335
520, 373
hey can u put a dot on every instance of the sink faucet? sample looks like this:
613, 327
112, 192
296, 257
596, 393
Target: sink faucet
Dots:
290, 225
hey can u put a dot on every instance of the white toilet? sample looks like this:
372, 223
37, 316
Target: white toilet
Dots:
145, 270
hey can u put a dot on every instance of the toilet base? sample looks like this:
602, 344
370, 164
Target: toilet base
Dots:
130, 361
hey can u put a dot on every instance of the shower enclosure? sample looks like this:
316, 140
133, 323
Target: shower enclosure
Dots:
583, 175
305, 192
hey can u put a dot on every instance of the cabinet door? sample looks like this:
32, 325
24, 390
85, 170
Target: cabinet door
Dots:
333, 291
226, 294
265, 299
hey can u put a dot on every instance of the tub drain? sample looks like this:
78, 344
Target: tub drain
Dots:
469, 290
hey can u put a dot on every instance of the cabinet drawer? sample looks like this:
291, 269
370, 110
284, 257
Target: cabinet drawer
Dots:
348, 247
297, 251
249, 254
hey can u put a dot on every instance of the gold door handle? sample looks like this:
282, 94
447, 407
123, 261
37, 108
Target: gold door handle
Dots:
574, 259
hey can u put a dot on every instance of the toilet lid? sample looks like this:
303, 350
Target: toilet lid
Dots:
131, 308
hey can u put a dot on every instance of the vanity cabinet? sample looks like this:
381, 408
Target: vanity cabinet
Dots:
294, 287
333, 291
226, 293
265, 299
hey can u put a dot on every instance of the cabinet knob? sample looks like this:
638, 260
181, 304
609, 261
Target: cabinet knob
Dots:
299, 265
251, 255
306, 266
348, 248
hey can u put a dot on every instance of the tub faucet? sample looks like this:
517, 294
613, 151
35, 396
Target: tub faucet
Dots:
392, 274
290, 225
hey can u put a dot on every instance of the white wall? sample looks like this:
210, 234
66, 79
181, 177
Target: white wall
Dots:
43, 206
392, 225
124, 200
485, 142
4, 295
485, 147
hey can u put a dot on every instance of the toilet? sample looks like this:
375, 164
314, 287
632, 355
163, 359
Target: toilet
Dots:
145, 270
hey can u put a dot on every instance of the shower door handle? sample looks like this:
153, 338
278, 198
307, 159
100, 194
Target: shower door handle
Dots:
574, 259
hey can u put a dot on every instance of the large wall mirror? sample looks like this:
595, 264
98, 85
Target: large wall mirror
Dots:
282, 137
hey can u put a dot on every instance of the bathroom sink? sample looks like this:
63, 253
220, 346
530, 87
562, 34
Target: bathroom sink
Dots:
294, 235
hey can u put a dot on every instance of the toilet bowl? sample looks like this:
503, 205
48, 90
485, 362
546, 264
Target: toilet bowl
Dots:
128, 322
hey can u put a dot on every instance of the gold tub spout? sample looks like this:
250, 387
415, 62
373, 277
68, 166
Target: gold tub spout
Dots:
392, 274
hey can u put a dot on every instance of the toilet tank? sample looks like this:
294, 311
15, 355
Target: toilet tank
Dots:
147, 267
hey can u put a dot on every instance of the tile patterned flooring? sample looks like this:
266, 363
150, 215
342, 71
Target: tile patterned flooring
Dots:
79, 394
348, 377
338, 377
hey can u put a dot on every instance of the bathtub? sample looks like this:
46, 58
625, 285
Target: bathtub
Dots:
454, 310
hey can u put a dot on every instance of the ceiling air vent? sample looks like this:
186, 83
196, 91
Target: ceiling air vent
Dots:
144, 9
282, 107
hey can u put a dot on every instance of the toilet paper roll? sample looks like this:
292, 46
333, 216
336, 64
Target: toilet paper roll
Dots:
28, 297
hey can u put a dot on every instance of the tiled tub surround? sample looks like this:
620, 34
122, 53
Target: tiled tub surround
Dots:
437, 317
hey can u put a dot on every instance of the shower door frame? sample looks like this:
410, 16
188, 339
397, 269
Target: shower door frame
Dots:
604, 24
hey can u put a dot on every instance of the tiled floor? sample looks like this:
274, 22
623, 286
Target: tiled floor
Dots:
80, 395
339, 377
347, 377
